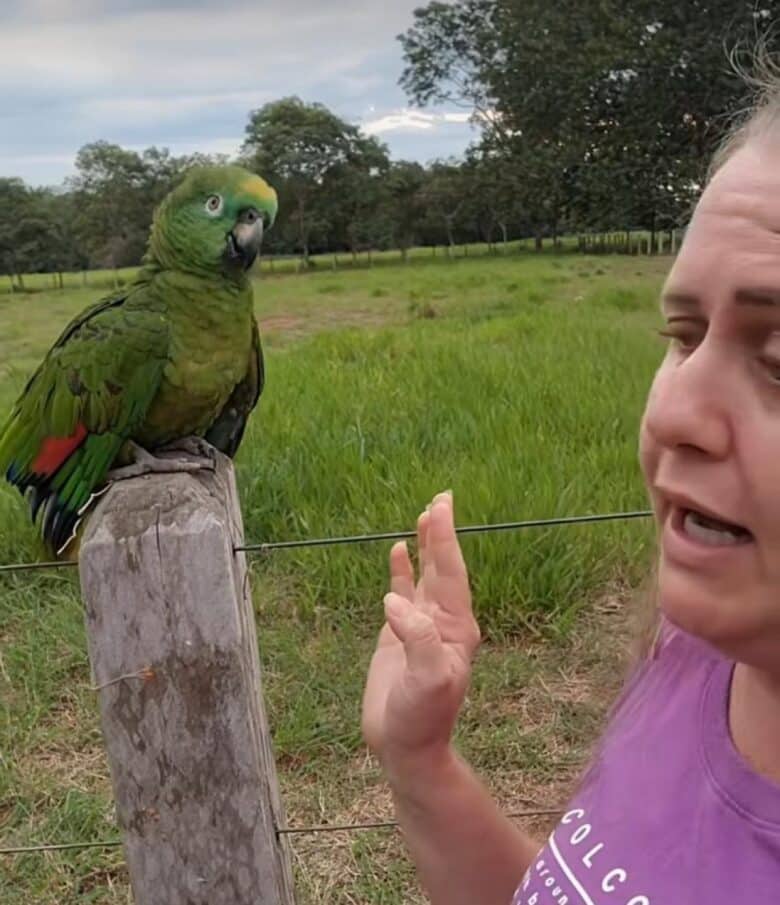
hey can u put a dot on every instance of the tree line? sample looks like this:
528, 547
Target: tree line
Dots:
339, 191
596, 116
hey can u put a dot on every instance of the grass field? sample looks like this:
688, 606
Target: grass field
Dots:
518, 381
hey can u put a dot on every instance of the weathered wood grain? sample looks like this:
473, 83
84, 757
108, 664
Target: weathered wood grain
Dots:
168, 608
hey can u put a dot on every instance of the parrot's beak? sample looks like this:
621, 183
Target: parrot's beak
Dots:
244, 241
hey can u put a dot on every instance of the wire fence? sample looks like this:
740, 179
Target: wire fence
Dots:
262, 548
280, 831
9, 568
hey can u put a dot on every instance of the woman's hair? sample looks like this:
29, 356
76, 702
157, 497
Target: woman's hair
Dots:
646, 621
762, 112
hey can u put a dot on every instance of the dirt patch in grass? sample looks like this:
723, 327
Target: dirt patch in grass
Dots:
61, 766
280, 323
282, 328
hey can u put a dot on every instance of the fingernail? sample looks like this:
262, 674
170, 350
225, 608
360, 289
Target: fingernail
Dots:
393, 605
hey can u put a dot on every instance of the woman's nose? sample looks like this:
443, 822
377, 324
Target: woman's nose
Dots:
689, 401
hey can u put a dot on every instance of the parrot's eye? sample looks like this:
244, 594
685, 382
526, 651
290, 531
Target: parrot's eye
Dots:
214, 205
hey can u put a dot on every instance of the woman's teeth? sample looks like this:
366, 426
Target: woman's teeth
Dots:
710, 531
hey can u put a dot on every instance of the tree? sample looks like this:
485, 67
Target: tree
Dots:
448, 52
514, 65
14, 204
302, 148
355, 192
405, 206
608, 107
113, 210
114, 194
445, 195
657, 122
494, 199
62, 251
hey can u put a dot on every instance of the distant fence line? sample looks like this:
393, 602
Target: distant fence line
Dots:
621, 242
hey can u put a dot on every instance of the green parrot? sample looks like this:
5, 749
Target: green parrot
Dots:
173, 357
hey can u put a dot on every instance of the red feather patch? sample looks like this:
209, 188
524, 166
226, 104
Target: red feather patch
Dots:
55, 450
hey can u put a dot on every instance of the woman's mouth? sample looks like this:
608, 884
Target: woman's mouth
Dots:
696, 540
711, 531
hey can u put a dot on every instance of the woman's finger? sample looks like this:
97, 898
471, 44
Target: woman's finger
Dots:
441, 540
422, 552
401, 571
422, 535
450, 583
425, 655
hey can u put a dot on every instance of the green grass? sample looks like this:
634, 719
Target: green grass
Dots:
519, 382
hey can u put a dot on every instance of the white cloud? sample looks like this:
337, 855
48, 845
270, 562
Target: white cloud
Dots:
410, 120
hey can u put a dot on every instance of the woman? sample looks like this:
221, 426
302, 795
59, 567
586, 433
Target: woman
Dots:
682, 802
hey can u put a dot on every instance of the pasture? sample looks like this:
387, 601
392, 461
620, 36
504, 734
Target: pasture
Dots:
518, 381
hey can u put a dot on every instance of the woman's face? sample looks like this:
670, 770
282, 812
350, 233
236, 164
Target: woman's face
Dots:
710, 436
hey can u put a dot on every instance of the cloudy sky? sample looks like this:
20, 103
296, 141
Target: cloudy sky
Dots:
185, 73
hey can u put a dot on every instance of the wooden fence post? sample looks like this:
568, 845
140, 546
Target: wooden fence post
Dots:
173, 649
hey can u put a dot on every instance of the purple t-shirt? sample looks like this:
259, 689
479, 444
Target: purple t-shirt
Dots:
669, 813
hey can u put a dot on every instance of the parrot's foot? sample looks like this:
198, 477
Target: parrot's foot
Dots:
145, 463
194, 446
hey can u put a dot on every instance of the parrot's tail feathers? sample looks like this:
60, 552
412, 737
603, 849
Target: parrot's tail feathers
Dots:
13, 473
58, 523
36, 498
55, 510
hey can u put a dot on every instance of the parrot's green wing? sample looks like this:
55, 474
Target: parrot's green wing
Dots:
85, 400
228, 429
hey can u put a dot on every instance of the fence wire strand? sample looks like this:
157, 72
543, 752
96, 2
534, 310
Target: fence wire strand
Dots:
30, 566
282, 831
322, 542
374, 538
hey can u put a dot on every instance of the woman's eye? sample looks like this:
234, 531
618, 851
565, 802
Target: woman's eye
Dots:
683, 338
772, 366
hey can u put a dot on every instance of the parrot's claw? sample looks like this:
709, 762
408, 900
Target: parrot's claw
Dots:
145, 463
156, 466
195, 446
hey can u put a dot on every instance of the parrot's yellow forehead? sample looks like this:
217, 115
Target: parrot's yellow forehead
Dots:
256, 187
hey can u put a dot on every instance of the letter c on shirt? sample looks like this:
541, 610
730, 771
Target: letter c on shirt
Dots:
573, 815
607, 885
